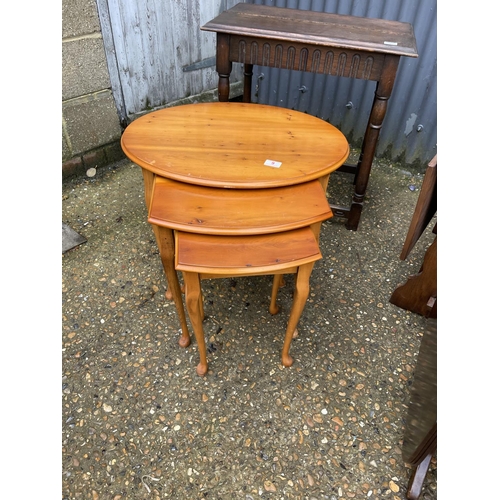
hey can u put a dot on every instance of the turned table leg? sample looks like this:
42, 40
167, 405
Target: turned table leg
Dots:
247, 82
223, 66
377, 114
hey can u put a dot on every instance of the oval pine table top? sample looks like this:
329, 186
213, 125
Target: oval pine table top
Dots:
235, 145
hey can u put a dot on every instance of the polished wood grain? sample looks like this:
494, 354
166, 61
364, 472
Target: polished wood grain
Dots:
227, 145
256, 254
316, 28
205, 210
221, 149
201, 256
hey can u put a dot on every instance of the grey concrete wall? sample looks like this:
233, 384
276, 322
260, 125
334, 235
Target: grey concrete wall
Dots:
91, 128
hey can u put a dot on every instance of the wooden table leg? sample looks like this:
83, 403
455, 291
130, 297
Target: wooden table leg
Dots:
420, 436
300, 295
377, 114
165, 241
166, 245
247, 82
425, 209
417, 478
274, 308
194, 301
223, 66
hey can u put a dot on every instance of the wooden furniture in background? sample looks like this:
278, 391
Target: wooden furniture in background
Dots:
318, 42
420, 438
419, 293
201, 256
425, 209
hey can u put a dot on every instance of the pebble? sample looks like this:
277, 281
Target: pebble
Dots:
338, 421
393, 486
269, 486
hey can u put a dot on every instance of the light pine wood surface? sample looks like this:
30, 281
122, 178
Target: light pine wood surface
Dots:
198, 209
235, 145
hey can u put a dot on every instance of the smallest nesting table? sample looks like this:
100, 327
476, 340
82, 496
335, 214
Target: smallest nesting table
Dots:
201, 256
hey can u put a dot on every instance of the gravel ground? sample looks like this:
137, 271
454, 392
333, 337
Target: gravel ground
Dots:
138, 423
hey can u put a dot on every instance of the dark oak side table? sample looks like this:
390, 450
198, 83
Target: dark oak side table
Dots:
318, 42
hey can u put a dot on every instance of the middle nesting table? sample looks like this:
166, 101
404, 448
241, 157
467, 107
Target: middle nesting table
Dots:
232, 169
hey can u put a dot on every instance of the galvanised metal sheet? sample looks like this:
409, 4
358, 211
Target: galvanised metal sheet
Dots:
409, 131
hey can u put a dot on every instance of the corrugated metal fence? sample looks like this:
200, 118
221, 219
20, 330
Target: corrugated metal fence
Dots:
409, 133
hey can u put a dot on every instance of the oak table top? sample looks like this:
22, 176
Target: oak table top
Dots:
318, 42
317, 28
235, 145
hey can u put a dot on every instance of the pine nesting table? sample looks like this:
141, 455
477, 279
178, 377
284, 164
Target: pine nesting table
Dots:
231, 169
